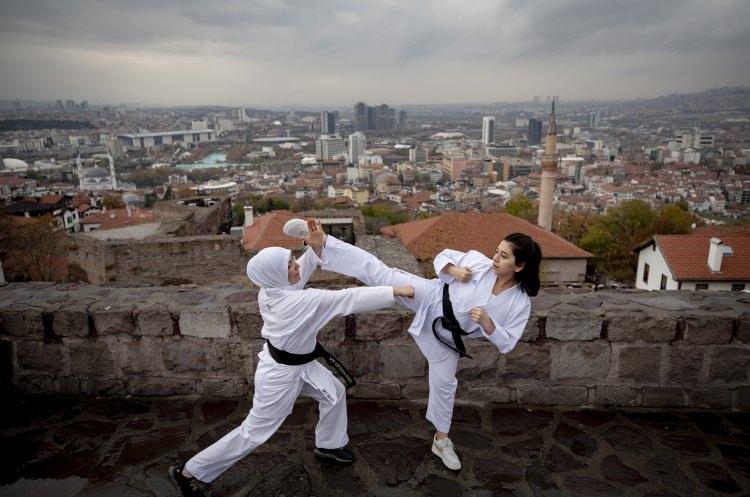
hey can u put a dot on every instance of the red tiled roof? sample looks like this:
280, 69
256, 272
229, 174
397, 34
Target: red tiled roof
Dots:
51, 199
266, 232
12, 180
473, 231
687, 257
118, 218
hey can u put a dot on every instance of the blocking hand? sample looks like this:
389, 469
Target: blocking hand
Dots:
462, 274
403, 291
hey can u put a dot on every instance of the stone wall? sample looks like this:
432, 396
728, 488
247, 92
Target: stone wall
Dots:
159, 261
659, 349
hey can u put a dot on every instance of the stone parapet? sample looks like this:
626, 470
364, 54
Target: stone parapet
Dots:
625, 348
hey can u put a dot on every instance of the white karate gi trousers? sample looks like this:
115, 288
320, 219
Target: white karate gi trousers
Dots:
352, 261
276, 388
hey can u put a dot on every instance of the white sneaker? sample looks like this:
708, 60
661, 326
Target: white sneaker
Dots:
296, 228
447, 453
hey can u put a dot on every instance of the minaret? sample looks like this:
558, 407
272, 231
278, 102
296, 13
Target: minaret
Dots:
79, 171
549, 174
112, 171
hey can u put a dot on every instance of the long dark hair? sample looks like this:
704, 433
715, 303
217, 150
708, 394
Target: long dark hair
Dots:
527, 252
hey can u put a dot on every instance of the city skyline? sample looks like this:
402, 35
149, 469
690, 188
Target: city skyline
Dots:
287, 54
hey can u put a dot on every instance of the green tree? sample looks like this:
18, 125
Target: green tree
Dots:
521, 206
673, 219
572, 225
113, 202
238, 215
612, 237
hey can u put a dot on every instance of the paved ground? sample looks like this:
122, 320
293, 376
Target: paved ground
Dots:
122, 448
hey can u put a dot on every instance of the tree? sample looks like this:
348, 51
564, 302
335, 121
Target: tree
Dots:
113, 202
613, 236
521, 206
34, 250
572, 225
673, 219
238, 215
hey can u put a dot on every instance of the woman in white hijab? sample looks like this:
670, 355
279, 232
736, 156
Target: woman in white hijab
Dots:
292, 317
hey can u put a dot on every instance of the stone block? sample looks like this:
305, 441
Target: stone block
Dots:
90, 358
628, 325
662, 397
35, 383
378, 326
536, 394
234, 357
729, 364
153, 320
112, 318
711, 398
142, 356
246, 319
685, 365
148, 385
743, 398
615, 395
359, 358
484, 393
567, 324
223, 387
485, 363
22, 321
708, 328
415, 388
187, 356
334, 331
375, 390
528, 362
71, 321
401, 360
639, 364
743, 328
102, 386
205, 323
532, 331
39, 356
581, 361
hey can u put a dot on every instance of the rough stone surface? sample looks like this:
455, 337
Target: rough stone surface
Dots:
629, 325
730, 365
205, 323
640, 364
566, 324
708, 328
583, 361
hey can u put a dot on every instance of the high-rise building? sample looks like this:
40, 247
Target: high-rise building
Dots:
242, 115
535, 132
402, 119
594, 118
328, 147
327, 122
357, 146
360, 116
84, 105
488, 129
70, 105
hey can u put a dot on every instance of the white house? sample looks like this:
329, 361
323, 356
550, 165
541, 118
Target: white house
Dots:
694, 262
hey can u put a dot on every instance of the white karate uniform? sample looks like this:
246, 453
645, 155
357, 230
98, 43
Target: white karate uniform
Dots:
292, 317
509, 311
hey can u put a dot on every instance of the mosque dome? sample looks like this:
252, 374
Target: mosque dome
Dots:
96, 172
15, 165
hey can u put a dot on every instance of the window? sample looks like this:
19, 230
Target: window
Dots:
646, 267
701, 286
663, 285
738, 287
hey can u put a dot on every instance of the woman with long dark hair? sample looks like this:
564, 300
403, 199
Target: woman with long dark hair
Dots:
474, 296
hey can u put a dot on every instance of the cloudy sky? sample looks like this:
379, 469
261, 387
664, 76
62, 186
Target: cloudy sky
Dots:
335, 52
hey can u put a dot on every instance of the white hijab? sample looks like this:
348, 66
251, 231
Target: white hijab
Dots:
283, 306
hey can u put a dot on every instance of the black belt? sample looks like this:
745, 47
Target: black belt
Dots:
289, 359
450, 323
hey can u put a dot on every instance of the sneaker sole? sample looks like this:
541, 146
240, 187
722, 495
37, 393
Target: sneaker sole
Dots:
331, 457
440, 456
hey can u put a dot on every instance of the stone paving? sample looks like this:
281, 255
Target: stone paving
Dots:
88, 447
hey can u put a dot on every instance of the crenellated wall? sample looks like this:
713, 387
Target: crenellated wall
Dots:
658, 349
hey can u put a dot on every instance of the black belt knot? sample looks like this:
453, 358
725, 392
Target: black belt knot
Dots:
450, 323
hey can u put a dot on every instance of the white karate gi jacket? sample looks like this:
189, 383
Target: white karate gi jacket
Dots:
292, 317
